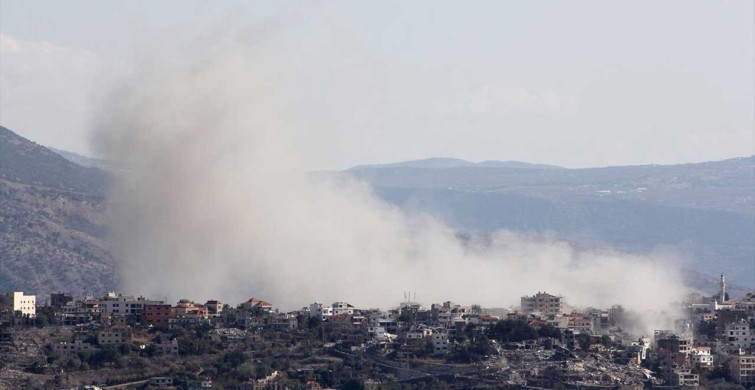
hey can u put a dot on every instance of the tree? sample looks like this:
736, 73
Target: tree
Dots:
353, 384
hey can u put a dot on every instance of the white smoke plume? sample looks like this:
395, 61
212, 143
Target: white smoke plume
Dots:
217, 204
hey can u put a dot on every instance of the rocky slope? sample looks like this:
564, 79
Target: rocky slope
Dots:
52, 222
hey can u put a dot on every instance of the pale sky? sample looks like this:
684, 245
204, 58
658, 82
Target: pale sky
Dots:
577, 84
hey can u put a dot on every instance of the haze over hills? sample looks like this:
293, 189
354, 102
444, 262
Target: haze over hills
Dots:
443, 163
53, 226
703, 213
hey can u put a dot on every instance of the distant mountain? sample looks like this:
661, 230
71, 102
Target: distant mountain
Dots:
53, 224
703, 212
52, 221
83, 161
26, 162
444, 163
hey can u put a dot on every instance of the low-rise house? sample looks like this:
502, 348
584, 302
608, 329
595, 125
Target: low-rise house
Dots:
167, 347
205, 384
58, 300
258, 304
318, 310
342, 308
115, 335
580, 322
684, 378
74, 347
214, 307
161, 381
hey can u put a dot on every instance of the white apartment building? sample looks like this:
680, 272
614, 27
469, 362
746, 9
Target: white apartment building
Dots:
340, 308
18, 302
543, 303
318, 310
701, 357
121, 305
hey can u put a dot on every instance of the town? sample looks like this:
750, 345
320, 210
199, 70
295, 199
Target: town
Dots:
118, 341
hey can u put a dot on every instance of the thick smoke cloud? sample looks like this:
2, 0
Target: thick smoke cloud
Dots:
215, 203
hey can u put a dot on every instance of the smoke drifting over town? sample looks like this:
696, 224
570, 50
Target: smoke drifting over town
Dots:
216, 203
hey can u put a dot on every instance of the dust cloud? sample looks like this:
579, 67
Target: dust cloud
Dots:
217, 203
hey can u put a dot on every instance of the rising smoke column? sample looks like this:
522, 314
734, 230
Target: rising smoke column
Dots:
215, 203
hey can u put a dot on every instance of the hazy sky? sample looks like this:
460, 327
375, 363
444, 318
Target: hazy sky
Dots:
586, 83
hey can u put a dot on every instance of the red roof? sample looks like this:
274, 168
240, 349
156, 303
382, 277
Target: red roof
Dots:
259, 302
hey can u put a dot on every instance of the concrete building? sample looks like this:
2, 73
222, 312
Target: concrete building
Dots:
214, 307
158, 315
440, 343
684, 378
700, 357
318, 310
739, 335
77, 346
60, 299
116, 335
742, 369
18, 302
113, 305
342, 308
543, 303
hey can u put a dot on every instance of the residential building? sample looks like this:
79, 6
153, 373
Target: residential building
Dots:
739, 335
214, 307
157, 315
684, 378
742, 369
75, 347
18, 302
543, 303
318, 310
161, 381
701, 357
59, 300
440, 343
115, 335
342, 308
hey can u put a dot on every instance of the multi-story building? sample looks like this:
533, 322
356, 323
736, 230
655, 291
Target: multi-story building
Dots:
440, 343
214, 307
684, 378
342, 308
543, 303
700, 357
579, 322
75, 347
18, 302
742, 369
60, 299
738, 335
115, 335
158, 315
318, 310
122, 305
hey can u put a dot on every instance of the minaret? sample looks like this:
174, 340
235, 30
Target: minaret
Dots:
722, 298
